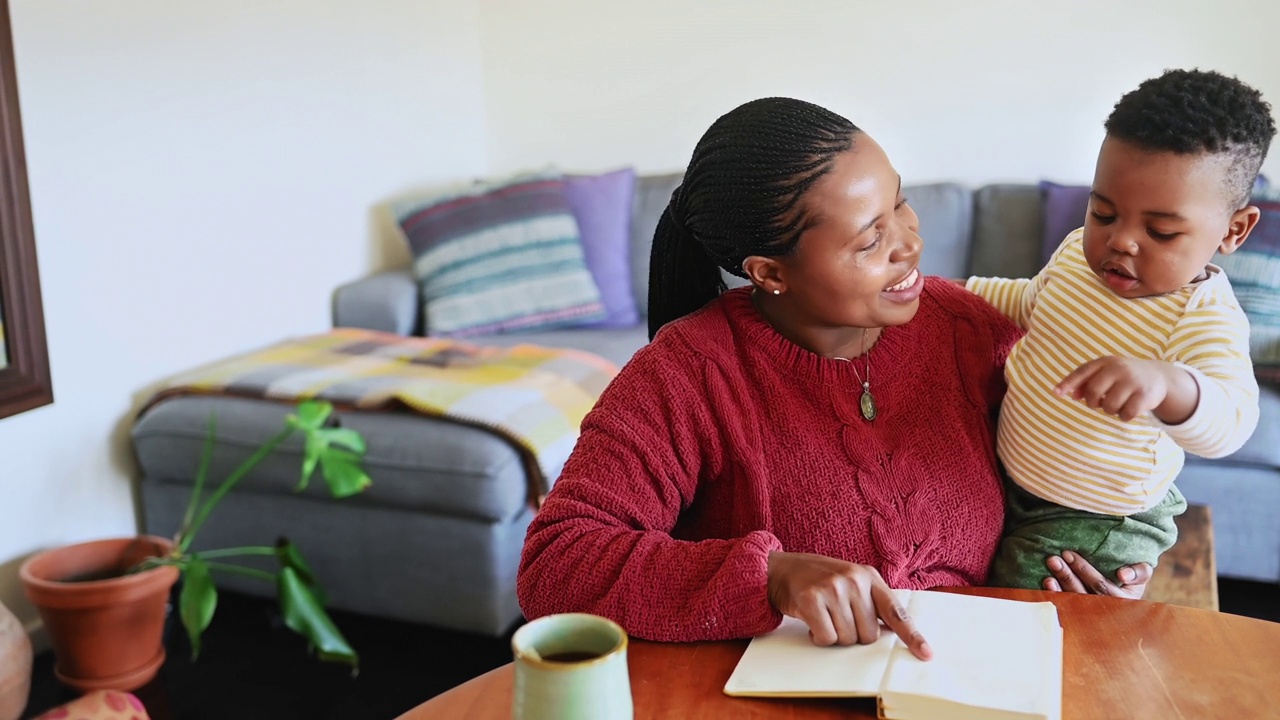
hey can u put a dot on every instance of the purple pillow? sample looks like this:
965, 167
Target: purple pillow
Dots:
1064, 210
602, 206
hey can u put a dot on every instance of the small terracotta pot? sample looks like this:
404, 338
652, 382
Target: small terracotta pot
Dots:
15, 666
107, 634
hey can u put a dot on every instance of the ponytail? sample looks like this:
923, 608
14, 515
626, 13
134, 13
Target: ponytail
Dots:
682, 276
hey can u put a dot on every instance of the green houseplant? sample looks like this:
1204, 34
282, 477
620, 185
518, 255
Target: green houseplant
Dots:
91, 594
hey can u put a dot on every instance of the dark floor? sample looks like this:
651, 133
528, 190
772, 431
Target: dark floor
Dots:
253, 667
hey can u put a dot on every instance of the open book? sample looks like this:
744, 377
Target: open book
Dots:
993, 659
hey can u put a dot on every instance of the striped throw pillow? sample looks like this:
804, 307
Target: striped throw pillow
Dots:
1254, 272
499, 258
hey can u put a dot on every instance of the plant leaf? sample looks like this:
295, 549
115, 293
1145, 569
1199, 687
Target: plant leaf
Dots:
343, 472
311, 414
343, 437
305, 615
311, 453
197, 602
290, 556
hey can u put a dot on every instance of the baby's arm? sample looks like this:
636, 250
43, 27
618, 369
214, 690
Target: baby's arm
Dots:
1204, 394
1015, 298
1211, 345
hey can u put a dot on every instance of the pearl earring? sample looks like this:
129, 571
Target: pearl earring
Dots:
776, 291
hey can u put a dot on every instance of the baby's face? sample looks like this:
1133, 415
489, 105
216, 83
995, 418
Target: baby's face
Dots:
1155, 218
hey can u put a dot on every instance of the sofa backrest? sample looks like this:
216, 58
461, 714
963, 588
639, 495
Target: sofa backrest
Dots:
651, 196
994, 231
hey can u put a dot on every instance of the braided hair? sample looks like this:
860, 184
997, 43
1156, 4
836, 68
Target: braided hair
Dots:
742, 195
1195, 111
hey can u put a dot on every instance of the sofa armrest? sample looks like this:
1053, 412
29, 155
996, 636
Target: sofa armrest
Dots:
387, 302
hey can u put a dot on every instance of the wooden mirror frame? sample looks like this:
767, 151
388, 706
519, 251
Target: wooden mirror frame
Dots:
24, 381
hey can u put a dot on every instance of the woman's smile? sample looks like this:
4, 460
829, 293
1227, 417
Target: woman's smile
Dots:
908, 289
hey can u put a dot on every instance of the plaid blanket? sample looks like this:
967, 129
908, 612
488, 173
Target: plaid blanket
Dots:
534, 397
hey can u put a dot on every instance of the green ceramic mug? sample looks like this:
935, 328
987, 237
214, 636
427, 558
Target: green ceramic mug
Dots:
571, 667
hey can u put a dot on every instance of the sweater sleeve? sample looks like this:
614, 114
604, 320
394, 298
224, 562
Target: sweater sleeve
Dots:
602, 543
1212, 343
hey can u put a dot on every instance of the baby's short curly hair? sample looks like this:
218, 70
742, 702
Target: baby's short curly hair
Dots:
1195, 111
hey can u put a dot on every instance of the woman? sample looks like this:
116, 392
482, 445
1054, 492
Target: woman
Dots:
798, 446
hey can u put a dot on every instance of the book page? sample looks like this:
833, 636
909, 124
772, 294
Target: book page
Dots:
1000, 658
786, 662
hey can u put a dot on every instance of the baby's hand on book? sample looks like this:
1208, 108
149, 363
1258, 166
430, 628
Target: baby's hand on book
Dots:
1119, 386
840, 602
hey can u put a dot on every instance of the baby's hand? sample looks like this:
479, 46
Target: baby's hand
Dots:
1118, 386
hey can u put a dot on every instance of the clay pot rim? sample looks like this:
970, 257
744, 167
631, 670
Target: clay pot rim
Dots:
28, 576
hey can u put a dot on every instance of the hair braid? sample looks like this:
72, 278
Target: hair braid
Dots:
742, 195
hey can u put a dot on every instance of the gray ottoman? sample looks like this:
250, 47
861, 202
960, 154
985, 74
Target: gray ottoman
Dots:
436, 539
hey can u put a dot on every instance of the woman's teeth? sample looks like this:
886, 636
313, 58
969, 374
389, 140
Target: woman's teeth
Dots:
906, 283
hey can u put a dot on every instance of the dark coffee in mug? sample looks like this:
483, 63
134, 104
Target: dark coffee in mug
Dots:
570, 656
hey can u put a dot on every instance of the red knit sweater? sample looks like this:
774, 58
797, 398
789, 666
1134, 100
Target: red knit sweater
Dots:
722, 441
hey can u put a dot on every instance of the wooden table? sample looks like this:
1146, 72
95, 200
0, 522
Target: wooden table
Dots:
1122, 659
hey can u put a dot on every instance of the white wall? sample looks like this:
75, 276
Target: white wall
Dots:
968, 91
201, 176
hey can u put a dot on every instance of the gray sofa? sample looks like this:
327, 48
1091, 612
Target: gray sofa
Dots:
437, 538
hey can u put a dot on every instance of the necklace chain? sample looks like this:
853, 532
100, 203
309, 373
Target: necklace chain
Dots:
866, 403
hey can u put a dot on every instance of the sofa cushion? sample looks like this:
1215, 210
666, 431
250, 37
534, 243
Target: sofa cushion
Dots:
417, 463
499, 257
1064, 212
1254, 271
653, 192
1007, 227
602, 206
946, 225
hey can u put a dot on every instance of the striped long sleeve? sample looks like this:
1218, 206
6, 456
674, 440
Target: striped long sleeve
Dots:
1212, 343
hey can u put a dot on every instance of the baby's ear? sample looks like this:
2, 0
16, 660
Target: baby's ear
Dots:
1242, 223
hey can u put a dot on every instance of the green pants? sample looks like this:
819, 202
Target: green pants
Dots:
1035, 529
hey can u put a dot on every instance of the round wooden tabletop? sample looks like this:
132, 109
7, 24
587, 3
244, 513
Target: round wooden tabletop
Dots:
1121, 658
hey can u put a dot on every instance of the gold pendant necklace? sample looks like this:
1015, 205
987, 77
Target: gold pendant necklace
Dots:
866, 403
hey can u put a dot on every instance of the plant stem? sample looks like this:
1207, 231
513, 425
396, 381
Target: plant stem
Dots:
156, 562
229, 483
232, 552
202, 471
238, 570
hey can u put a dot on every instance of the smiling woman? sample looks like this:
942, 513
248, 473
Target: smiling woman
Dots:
24, 359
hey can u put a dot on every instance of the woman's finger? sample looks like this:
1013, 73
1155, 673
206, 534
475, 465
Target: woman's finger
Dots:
1131, 575
821, 629
895, 616
1100, 584
844, 621
1067, 580
864, 611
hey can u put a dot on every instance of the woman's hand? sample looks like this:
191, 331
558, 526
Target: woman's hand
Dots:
839, 601
1072, 573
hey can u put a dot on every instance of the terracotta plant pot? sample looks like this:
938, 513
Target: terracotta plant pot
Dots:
15, 666
107, 633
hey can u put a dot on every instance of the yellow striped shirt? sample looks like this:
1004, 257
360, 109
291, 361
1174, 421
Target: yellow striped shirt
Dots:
1063, 451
